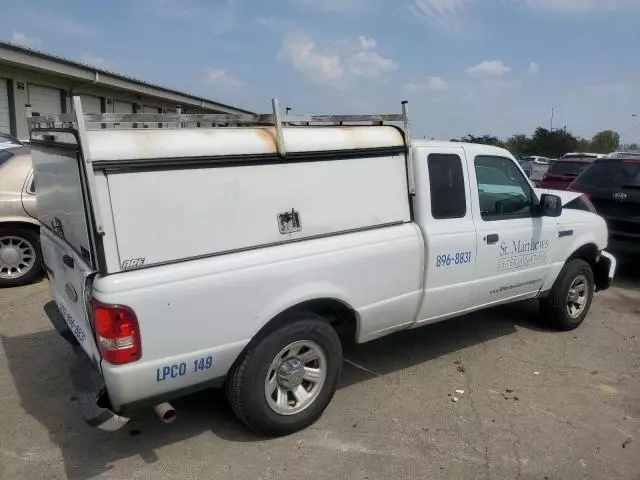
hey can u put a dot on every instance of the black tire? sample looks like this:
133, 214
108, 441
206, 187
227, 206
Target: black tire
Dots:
245, 383
553, 308
32, 237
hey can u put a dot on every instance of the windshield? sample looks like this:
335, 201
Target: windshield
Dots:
569, 169
617, 174
4, 156
8, 140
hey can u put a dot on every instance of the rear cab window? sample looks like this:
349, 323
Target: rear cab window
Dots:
568, 169
446, 181
613, 174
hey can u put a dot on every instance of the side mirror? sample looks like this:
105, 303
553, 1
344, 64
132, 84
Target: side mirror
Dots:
550, 205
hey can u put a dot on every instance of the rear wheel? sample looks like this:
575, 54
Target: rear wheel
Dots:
284, 382
20, 258
570, 298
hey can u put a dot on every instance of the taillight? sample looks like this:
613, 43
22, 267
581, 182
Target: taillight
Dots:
117, 333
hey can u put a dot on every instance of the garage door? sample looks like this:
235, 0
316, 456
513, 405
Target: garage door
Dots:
91, 104
44, 100
122, 107
149, 109
5, 124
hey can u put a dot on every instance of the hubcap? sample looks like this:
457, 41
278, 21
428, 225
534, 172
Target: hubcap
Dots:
17, 257
578, 296
295, 377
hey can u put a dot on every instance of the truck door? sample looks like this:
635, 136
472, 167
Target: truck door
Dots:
514, 244
443, 211
67, 249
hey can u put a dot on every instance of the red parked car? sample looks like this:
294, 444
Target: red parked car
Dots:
563, 172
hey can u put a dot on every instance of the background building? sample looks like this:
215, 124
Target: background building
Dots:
46, 83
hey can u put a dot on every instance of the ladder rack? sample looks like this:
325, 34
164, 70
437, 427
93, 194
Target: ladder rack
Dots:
82, 122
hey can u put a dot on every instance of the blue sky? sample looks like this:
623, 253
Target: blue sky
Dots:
466, 66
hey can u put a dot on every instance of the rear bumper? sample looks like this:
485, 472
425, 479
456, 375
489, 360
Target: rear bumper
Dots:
605, 271
89, 387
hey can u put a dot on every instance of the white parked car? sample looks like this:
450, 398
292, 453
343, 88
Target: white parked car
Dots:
20, 261
583, 155
538, 160
240, 256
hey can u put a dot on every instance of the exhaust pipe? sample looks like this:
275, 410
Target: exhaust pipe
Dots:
166, 412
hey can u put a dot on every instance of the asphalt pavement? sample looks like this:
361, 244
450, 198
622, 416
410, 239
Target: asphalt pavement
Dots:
492, 395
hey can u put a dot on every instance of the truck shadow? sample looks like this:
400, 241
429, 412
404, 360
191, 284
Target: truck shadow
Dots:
44, 387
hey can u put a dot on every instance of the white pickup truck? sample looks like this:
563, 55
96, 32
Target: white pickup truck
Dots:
190, 254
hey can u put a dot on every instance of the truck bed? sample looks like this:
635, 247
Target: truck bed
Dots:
214, 306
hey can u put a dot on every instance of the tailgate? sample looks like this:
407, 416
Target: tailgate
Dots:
66, 236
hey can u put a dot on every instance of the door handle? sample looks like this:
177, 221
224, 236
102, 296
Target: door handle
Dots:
67, 260
492, 239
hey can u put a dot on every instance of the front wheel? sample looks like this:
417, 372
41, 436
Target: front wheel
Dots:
284, 382
570, 298
20, 258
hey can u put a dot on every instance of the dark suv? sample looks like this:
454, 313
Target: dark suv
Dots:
613, 186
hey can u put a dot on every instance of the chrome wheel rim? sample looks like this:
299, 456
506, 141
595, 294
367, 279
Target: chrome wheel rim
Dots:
295, 377
578, 296
17, 257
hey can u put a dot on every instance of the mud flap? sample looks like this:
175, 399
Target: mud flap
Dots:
605, 271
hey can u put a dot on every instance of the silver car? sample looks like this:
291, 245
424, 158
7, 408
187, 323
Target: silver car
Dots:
20, 259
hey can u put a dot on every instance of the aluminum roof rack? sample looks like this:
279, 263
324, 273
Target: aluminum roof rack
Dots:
96, 121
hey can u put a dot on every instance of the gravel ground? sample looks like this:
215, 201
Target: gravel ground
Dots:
536, 404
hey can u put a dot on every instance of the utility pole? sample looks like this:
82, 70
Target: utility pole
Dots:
553, 111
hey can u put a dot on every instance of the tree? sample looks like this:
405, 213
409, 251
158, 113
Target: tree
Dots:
519, 145
554, 143
606, 141
584, 145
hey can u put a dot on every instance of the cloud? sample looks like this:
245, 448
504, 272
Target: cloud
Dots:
432, 84
222, 78
444, 13
493, 68
439, 12
370, 64
534, 68
320, 67
20, 38
93, 60
581, 6
367, 43
335, 67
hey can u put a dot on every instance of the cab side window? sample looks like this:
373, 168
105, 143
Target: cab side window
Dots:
503, 191
446, 182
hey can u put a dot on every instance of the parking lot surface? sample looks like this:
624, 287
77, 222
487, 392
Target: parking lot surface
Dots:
531, 403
